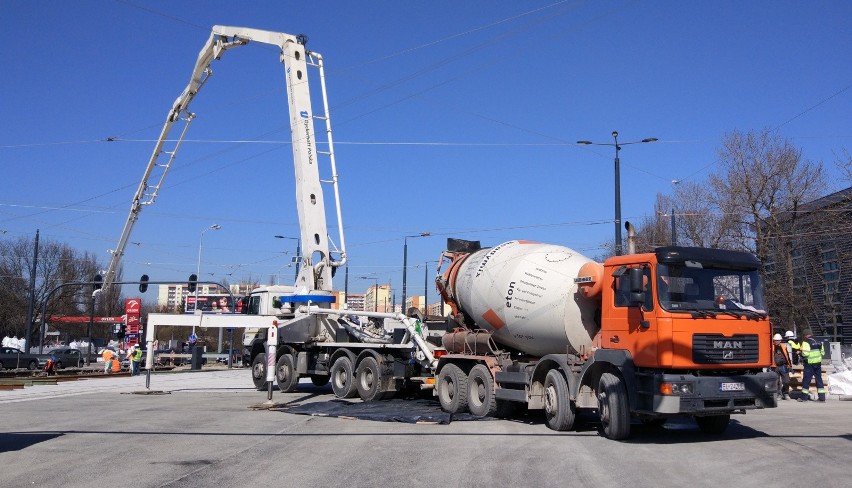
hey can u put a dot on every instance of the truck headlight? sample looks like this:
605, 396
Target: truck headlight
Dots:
679, 388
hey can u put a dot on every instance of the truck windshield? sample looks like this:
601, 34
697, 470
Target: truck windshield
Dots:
693, 287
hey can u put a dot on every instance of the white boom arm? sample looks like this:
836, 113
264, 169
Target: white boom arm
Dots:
309, 200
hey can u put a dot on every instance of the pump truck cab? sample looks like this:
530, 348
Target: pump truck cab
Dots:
673, 333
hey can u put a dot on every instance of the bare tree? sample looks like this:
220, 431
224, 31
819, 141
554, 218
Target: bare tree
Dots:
761, 178
761, 183
57, 264
655, 230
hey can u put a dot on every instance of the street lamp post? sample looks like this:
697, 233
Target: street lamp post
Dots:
198, 268
298, 253
617, 145
405, 263
375, 291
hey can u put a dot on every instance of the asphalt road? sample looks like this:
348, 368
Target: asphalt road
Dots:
203, 432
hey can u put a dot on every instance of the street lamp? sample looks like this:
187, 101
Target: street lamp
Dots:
298, 253
405, 263
198, 268
375, 292
617, 181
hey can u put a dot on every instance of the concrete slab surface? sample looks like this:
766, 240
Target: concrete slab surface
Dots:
201, 431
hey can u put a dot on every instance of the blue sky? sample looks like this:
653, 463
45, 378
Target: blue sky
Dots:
455, 118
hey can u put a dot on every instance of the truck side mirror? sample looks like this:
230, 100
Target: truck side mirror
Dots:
637, 286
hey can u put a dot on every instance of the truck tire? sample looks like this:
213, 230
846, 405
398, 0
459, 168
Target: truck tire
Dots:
258, 371
559, 410
452, 389
613, 408
369, 380
320, 379
714, 425
481, 399
285, 374
342, 379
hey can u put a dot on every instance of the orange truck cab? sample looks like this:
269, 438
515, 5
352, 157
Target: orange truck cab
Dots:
692, 322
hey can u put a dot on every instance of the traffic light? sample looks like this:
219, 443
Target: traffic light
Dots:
143, 283
97, 282
193, 282
119, 330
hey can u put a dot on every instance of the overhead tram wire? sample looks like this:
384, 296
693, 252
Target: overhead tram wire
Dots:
287, 127
447, 38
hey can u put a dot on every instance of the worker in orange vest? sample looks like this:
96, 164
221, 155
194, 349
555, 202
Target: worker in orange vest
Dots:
108, 355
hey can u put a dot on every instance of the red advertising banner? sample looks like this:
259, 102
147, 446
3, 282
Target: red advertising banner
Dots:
97, 320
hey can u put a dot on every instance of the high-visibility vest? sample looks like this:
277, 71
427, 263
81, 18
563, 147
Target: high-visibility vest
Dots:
812, 351
137, 356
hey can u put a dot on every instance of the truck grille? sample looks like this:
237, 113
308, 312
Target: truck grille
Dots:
719, 349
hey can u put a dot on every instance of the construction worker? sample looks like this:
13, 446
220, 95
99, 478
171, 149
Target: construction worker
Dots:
782, 366
108, 356
136, 360
812, 352
792, 346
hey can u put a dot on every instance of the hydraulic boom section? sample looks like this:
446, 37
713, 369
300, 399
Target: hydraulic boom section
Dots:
316, 259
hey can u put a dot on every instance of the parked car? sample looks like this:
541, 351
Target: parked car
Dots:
68, 358
163, 357
236, 357
12, 358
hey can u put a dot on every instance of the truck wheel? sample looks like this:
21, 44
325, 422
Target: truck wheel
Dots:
559, 410
715, 425
613, 408
285, 374
320, 379
342, 380
258, 371
452, 389
33, 365
368, 380
481, 399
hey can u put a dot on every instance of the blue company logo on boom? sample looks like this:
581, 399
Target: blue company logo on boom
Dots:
304, 114
308, 145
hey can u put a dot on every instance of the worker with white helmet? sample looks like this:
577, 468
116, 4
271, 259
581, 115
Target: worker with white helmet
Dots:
781, 365
792, 346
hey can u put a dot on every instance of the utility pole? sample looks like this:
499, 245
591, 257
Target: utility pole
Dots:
32, 294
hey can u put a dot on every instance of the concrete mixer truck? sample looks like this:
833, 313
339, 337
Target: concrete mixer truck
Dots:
677, 332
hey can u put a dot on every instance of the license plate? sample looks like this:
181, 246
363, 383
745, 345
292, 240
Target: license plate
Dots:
732, 387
